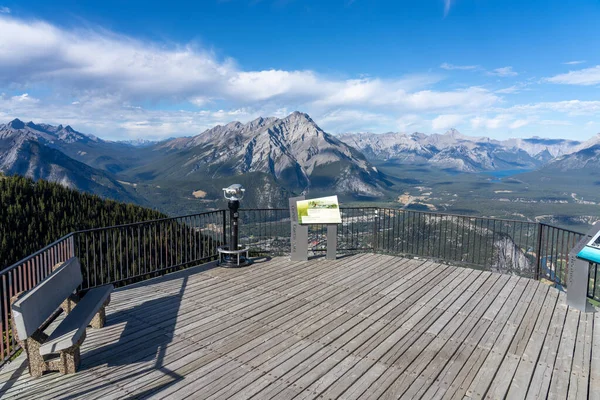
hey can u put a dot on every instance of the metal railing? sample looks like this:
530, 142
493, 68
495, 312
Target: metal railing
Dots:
529, 249
128, 253
554, 245
499, 245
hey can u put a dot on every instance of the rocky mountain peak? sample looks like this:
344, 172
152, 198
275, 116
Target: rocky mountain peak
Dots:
297, 115
299, 126
453, 133
288, 149
591, 142
32, 125
16, 124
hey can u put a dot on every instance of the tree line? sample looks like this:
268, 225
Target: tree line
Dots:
34, 214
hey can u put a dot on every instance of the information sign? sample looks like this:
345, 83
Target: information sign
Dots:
324, 210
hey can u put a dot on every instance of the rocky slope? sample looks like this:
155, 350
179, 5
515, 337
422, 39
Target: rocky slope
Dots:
32, 150
585, 159
299, 155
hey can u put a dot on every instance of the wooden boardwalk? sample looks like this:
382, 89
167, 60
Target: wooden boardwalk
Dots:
364, 326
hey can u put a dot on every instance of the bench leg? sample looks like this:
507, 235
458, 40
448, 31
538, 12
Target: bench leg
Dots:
69, 360
100, 318
36, 362
69, 304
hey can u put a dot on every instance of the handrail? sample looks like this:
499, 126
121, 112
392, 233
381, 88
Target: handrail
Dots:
563, 229
37, 253
146, 222
457, 215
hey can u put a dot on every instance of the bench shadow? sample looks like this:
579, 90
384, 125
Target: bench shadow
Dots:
145, 339
14, 377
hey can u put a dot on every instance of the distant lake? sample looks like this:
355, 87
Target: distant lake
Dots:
499, 175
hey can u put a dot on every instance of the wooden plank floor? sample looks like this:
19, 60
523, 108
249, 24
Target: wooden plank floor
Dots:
364, 326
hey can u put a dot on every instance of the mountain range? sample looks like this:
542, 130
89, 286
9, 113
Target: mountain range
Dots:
273, 157
455, 151
59, 154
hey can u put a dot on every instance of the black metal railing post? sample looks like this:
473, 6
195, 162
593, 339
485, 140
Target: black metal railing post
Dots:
224, 227
592, 288
376, 231
538, 251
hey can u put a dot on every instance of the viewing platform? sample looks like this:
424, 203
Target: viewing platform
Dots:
369, 326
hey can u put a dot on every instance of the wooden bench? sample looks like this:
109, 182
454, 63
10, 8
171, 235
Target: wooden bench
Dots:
34, 310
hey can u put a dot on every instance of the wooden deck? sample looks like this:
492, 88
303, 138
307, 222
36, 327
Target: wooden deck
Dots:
364, 326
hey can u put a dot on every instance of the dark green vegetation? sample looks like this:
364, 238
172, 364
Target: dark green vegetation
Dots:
34, 214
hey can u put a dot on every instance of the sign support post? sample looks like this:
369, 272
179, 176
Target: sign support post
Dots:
578, 277
331, 242
299, 238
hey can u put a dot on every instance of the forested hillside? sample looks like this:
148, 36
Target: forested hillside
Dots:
33, 214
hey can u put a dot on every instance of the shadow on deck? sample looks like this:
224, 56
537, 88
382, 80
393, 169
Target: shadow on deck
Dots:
365, 326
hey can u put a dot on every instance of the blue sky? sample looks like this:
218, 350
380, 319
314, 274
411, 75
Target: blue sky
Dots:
128, 69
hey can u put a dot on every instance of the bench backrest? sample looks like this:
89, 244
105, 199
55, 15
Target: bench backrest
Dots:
34, 307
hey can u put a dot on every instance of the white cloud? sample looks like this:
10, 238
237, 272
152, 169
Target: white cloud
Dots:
98, 82
501, 121
105, 64
509, 90
503, 72
351, 120
447, 5
446, 121
574, 62
409, 122
569, 107
4, 10
516, 88
496, 122
451, 67
377, 93
24, 98
554, 122
584, 77
519, 123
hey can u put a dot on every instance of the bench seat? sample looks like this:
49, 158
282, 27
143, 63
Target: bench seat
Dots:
70, 330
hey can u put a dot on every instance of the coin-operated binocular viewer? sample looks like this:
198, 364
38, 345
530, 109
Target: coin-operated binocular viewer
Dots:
231, 255
583, 258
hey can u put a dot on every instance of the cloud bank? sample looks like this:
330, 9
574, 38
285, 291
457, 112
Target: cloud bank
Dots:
583, 77
116, 86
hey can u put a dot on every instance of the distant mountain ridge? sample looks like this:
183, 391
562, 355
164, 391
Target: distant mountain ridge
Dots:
586, 156
36, 151
454, 150
274, 157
